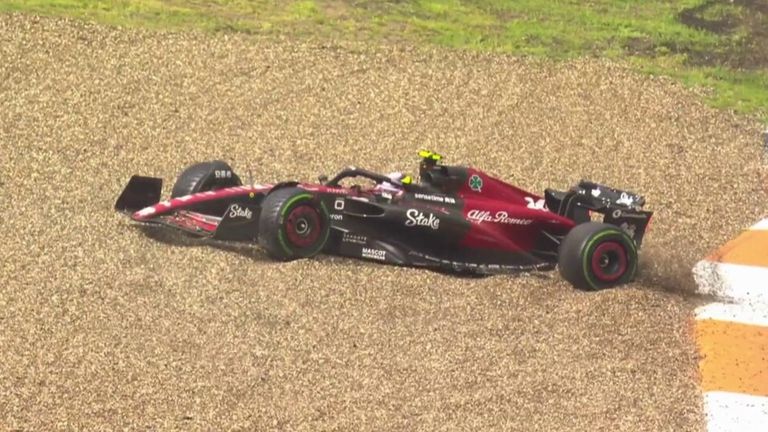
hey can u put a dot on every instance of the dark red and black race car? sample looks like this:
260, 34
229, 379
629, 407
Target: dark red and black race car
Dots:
453, 218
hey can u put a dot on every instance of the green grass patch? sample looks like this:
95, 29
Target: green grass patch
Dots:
739, 90
712, 43
144, 13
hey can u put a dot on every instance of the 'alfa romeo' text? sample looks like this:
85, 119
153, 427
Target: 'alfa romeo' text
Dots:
500, 217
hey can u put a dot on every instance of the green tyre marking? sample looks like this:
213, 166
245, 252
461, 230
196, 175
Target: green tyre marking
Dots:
287, 205
592, 283
281, 230
281, 237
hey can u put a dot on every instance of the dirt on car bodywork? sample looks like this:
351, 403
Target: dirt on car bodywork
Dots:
104, 328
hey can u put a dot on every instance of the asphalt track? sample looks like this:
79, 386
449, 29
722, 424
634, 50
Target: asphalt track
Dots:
102, 327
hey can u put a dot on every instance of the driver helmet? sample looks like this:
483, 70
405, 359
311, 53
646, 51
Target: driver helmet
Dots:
394, 186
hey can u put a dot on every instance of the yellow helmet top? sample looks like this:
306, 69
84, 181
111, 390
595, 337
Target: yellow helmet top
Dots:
429, 154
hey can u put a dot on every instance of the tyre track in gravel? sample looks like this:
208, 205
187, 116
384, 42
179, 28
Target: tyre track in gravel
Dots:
103, 327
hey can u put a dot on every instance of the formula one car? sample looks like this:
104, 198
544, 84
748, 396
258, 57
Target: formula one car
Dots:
454, 218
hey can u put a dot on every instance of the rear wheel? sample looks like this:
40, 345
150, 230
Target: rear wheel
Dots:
293, 224
203, 177
596, 256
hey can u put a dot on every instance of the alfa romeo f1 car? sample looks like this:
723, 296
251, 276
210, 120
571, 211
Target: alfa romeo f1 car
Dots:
454, 218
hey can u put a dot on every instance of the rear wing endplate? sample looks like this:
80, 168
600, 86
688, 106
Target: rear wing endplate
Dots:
139, 193
618, 207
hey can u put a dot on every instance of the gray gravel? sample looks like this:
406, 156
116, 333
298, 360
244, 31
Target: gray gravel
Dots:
102, 327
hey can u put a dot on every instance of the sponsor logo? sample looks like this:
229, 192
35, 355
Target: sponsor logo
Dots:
417, 218
536, 205
353, 238
476, 183
238, 212
333, 190
326, 189
500, 217
220, 174
629, 229
620, 214
374, 254
435, 198
625, 200
336, 216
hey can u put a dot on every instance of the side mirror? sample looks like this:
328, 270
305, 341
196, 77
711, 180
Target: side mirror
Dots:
322, 179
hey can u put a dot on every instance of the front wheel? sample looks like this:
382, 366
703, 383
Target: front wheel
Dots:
203, 177
293, 224
595, 256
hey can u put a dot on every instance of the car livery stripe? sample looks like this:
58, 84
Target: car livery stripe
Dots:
187, 200
731, 333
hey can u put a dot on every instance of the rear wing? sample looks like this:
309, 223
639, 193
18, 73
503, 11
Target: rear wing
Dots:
140, 192
618, 207
238, 222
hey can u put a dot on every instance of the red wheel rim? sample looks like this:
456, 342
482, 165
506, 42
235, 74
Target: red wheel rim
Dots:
302, 226
609, 261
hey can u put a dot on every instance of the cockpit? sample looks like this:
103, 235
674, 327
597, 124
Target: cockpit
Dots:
433, 178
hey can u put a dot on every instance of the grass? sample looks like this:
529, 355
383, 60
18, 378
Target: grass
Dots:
716, 44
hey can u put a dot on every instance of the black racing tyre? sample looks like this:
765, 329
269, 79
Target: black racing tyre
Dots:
293, 224
595, 256
203, 177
